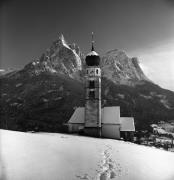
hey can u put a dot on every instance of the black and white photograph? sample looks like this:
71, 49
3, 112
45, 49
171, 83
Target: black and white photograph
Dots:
87, 90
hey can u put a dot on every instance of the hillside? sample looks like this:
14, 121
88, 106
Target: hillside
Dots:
59, 156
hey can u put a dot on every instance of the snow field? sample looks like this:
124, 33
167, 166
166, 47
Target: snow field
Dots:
54, 156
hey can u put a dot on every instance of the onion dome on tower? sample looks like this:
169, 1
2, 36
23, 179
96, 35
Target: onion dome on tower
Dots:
92, 58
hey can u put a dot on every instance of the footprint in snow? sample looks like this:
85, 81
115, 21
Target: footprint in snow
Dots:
85, 176
63, 137
107, 165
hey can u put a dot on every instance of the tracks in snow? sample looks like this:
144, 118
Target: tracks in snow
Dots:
108, 169
107, 166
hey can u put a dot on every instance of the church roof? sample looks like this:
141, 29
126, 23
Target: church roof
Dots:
92, 58
78, 116
127, 124
110, 115
92, 53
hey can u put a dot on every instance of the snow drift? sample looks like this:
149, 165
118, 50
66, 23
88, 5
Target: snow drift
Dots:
67, 157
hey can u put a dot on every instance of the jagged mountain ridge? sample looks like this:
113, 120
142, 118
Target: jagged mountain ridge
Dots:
121, 69
67, 59
59, 58
45, 92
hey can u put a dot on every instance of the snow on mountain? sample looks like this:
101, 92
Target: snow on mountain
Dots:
7, 71
2, 70
19, 84
63, 41
59, 58
121, 69
58, 156
67, 59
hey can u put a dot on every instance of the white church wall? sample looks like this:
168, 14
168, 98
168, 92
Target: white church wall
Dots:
75, 128
111, 115
111, 131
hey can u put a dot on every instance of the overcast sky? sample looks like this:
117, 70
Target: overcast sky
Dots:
143, 28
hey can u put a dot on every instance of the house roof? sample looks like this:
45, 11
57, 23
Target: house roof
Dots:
78, 116
127, 124
111, 115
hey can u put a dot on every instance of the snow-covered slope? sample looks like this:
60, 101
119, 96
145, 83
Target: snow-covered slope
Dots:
66, 157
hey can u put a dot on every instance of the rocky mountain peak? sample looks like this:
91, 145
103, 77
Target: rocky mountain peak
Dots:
62, 42
59, 58
67, 59
121, 69
113, 56
61, 37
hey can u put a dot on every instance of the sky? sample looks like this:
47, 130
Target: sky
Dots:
142, 28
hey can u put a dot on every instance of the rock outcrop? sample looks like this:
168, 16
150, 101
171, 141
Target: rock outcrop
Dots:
120, 69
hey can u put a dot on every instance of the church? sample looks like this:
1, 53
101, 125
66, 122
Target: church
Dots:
94, 120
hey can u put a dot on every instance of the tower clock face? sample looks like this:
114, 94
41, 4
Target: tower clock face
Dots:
94, 72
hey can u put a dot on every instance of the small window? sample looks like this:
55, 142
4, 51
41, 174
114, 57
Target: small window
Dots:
87, 71
91, 84
97, 71
91, 94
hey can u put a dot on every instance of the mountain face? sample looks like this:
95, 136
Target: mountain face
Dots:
119, 68
59, 58
44, 94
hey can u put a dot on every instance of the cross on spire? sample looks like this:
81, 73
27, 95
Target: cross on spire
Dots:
92, 42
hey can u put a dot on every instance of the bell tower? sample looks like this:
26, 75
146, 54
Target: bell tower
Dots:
93, 94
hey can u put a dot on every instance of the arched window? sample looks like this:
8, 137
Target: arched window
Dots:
91, 84
91, 94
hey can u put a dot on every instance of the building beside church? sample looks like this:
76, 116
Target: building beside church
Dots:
93, 120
